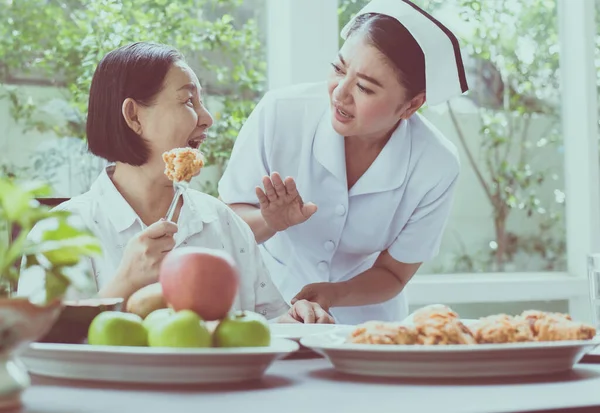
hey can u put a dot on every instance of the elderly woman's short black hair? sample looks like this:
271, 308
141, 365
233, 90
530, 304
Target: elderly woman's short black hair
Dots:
135, 71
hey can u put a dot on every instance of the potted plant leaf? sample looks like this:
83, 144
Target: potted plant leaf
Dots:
54, 249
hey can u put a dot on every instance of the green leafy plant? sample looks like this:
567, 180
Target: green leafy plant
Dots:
516, 83
56, 246
59, 43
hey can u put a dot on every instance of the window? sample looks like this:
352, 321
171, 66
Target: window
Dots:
509, 208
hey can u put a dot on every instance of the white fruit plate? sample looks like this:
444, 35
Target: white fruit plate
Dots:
154, 364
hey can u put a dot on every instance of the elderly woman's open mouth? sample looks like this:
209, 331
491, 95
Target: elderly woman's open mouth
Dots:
196, 141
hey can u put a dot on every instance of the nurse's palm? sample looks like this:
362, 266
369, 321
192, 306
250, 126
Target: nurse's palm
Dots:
280, 203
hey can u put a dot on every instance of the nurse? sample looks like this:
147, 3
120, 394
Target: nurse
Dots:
346, 188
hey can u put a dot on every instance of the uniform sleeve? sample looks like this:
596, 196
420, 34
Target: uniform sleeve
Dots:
267, 300
420, 239
249, 158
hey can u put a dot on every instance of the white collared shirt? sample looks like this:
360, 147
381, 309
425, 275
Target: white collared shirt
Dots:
400, 204
204, 221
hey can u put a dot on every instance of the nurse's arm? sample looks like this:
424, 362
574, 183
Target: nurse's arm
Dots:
253, 217
382, 282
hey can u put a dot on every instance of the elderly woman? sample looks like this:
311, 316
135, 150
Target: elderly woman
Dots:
379, 177
145, 100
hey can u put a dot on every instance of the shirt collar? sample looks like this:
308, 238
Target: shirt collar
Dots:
122, 216
390, 169
387, 172
328, 148
194, 212
111, 202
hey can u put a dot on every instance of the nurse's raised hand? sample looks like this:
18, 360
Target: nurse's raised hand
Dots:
280, 203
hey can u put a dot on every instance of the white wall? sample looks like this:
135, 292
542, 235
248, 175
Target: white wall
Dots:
302, 39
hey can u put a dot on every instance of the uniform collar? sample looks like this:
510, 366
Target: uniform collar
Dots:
122, 216
328, 148
387, 172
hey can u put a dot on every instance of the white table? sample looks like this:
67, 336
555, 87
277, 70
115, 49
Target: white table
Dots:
311, 386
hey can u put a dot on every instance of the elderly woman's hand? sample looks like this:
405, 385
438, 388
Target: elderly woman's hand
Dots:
306, 312
144, 253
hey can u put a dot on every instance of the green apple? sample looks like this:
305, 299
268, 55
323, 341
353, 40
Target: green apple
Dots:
182, 329
116, 328
156, 316
243, 329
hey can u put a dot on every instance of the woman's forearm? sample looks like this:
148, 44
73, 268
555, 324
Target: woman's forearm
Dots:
374, 286
118, 287
253, 217
382, 282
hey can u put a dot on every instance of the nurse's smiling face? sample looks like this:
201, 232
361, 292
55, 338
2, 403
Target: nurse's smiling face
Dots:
366, 95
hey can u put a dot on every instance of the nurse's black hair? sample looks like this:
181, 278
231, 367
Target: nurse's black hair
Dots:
396, 43
135, 71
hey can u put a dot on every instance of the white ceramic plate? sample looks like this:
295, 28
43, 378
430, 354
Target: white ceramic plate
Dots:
297, 331
153, 364
593, 356
479, 360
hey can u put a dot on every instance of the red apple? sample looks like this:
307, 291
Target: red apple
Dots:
203, 280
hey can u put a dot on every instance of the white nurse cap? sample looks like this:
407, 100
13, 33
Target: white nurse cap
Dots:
445, 76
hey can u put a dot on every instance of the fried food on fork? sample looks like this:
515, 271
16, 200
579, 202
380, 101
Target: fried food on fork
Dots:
182, 164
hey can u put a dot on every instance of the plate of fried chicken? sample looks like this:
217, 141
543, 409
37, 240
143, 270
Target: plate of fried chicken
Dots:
434, 342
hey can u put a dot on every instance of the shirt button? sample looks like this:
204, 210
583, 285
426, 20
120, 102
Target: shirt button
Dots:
322, 266
329, 246
340, 210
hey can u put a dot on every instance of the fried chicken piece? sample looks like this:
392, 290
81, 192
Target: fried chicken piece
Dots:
182, 164
534, 315
434, 311
502, 328
375, 332
557, 331
443, 331
556, 326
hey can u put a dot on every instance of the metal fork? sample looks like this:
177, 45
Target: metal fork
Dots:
180, 187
